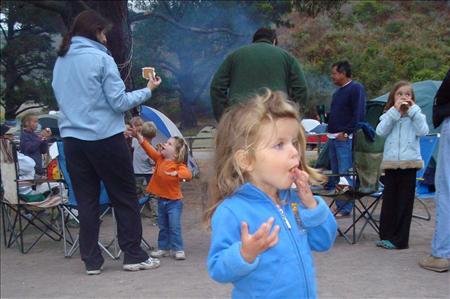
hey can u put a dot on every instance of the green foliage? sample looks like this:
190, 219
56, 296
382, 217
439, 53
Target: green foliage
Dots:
27, 56
384, 41
369, 11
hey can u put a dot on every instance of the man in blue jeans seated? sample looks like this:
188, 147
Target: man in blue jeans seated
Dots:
348, 107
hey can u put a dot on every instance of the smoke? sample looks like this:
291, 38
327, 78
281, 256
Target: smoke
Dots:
184, 54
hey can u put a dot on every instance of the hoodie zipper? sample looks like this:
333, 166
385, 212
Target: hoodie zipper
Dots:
283, 216
288, 225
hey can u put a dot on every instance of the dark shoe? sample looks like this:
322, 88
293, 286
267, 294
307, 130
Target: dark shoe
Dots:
434, 264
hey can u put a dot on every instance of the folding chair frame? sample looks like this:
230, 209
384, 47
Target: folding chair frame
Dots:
18, 216
68, 210
13, 217
433, 140
365, 210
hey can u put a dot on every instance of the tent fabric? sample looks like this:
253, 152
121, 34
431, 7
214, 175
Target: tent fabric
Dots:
424, 92
166, 129
309, 124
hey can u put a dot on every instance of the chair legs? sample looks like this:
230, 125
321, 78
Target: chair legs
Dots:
17, 219
69, 252
427, 212
360, 211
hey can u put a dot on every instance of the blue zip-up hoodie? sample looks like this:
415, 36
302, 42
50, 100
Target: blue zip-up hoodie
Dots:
90, 92
283, 271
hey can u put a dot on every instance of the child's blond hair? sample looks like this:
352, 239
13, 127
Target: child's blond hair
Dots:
135, 120
239, 129
26, 119
181, 150
149, 130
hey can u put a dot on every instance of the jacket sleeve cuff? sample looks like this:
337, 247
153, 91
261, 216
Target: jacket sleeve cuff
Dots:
413, 111
147, 92
393, 113
235, 261
316, 216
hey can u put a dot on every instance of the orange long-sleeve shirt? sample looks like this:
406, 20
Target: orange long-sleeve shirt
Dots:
161, 184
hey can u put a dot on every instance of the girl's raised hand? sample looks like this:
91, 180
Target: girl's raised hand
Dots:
261, 240
132, 131
301, 180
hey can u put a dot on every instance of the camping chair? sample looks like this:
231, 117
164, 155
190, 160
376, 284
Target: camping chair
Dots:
428, 145
37, 214
365, 190
71, 212
70, 209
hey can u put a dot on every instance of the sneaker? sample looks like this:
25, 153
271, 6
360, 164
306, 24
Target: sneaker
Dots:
434, 263
180, 255
94, 271
160, 253
145, 265
386, 244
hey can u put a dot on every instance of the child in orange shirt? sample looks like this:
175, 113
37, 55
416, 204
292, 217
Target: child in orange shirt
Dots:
170, 169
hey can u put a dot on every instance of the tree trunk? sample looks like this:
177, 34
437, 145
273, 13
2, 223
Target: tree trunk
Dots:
185, 80
119, 38
188, 119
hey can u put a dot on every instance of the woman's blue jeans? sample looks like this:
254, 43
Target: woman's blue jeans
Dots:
169, 222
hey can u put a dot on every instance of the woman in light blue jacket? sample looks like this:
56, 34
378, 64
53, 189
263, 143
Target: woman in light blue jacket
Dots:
402, 124
92, 100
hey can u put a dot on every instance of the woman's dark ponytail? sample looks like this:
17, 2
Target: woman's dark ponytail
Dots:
86, 24
65, 44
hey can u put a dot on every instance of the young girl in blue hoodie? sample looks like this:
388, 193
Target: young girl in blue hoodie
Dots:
263, 232
401, 124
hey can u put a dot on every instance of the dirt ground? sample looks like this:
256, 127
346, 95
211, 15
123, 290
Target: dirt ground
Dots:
346, 271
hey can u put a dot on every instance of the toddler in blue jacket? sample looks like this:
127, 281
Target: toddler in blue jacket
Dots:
263, 232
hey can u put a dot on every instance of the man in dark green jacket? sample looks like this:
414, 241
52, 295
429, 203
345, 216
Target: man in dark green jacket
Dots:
251, 67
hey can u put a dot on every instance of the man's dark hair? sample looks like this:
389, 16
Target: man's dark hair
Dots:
343, 67
87, 24
265, 33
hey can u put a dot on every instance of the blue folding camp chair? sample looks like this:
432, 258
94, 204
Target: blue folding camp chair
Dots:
428, 145
70, 209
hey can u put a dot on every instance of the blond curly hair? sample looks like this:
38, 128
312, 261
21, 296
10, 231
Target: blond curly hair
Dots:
239, 129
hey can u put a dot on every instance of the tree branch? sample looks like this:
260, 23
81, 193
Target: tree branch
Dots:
31, 29
83, 4
167, 65
147, 14
55, 6
4, 33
